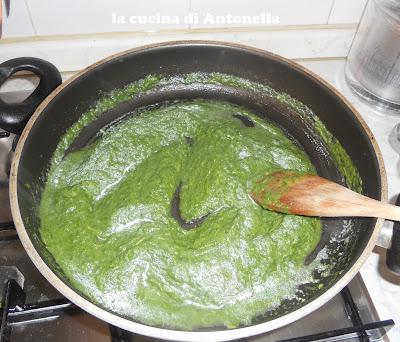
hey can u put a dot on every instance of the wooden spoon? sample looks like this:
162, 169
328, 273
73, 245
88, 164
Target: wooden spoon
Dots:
305, 194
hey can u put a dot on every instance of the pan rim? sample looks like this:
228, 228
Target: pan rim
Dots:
170, 334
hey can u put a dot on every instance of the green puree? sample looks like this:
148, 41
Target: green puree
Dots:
106, 217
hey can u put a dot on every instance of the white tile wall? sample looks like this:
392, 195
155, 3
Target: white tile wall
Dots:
347, 11
18, 24
67, 32
289, 12
52, 17
300, 12
62, 17
214, 8
75, 54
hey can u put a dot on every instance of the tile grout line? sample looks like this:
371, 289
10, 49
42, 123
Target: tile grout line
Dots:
190, 10
330, 11
30, 17
101, 35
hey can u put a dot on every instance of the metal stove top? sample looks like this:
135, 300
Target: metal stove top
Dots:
32, 310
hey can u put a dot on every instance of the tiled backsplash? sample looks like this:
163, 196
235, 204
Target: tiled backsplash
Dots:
346, 11
73, 34
61, 17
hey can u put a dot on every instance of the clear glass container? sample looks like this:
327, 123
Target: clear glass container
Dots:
373, 65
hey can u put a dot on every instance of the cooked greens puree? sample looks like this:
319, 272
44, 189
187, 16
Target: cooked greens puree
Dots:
106, 217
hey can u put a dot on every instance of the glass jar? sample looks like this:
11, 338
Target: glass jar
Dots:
373, 64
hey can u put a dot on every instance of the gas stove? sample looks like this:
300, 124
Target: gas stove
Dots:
32, 310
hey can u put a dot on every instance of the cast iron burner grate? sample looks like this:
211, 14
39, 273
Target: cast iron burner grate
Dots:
4, 135
15, 311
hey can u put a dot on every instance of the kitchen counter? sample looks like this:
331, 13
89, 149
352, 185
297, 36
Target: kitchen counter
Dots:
383, 286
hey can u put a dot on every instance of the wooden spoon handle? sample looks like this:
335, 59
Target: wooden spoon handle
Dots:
310, 195
333, 200
369, 207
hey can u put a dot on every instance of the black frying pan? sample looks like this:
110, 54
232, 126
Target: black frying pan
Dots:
66, 104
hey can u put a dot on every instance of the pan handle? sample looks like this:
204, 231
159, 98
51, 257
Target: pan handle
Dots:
14, 116
393, 253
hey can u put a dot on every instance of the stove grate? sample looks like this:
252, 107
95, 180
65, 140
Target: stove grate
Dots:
15, 311
4, 134
8, 232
